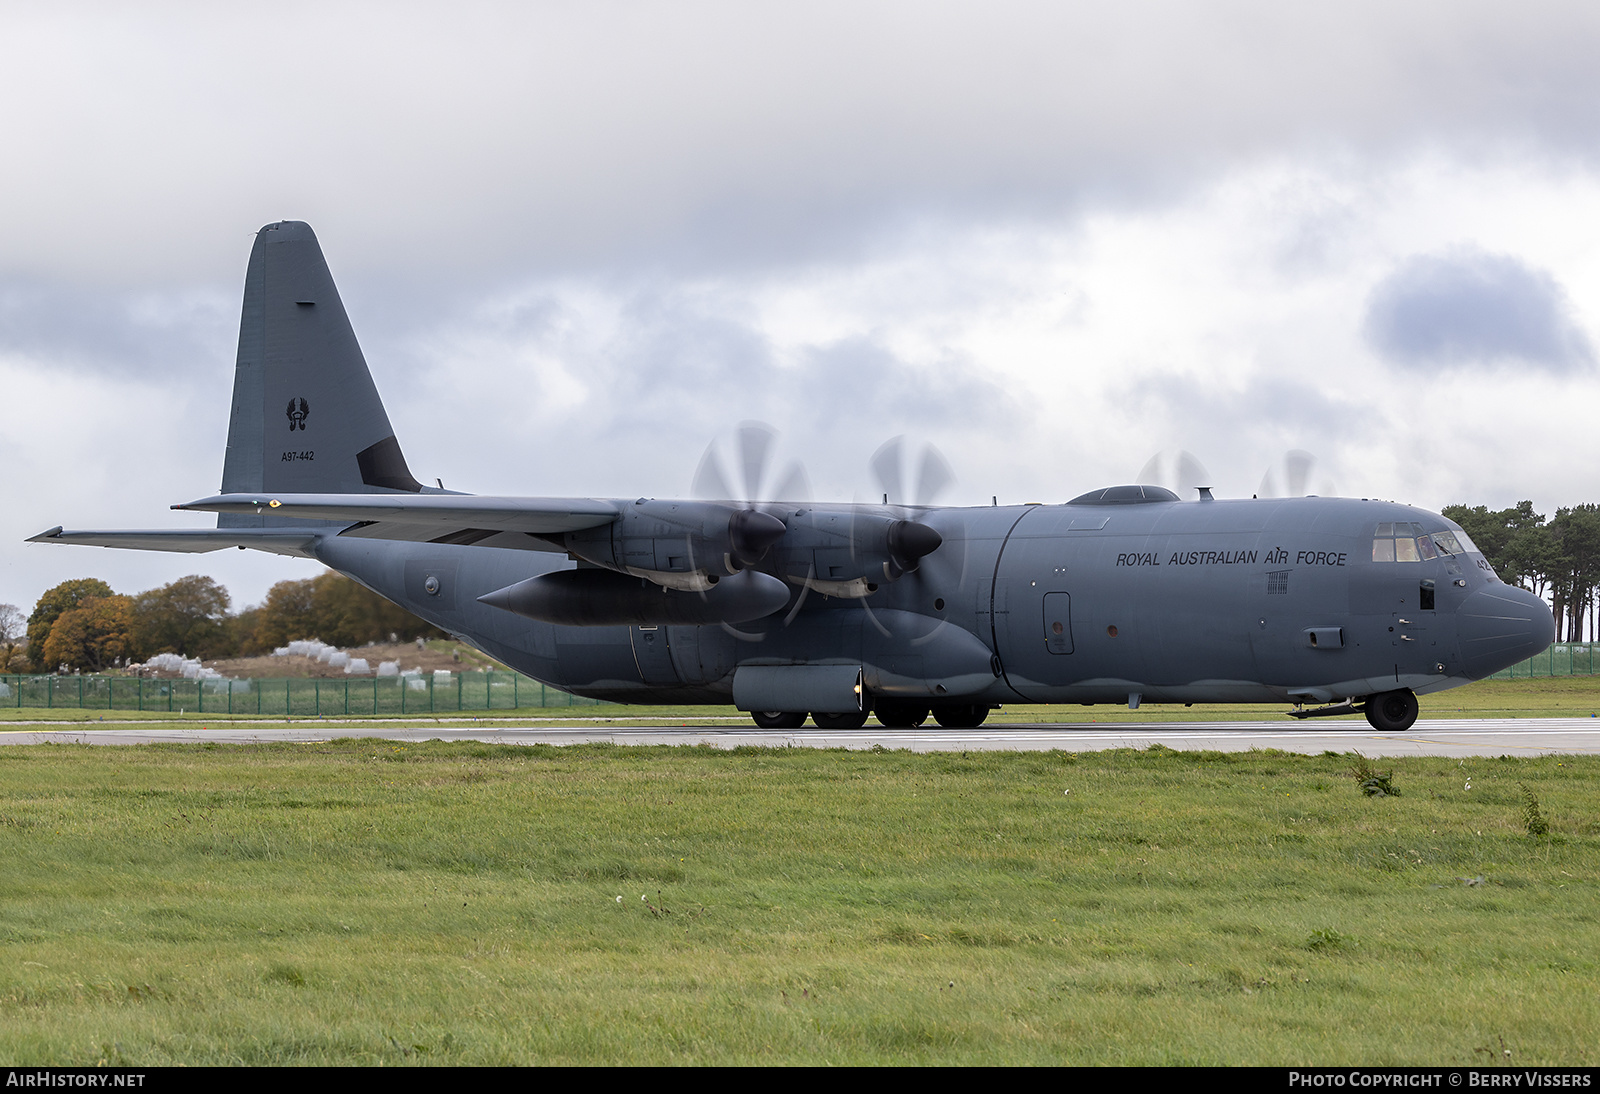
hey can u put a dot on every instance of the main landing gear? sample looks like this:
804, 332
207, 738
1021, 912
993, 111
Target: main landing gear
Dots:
779, 719
894, 715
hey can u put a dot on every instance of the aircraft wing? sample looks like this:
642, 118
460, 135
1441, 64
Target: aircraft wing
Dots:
462, 519
284, 541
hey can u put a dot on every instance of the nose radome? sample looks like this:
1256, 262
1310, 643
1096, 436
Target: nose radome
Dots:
1500, 625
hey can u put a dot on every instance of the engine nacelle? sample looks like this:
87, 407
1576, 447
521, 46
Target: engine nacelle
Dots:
682, 545
850, 554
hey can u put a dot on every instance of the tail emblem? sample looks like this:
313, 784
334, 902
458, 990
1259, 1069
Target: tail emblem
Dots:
298, 409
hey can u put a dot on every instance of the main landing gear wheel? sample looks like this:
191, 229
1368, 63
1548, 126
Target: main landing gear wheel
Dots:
1393, 711
779, 719
853, 720
899, 715
965, 716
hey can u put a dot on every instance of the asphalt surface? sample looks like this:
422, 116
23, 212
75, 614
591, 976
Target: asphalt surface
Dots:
1433, 737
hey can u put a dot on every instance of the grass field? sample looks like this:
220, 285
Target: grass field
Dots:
1541, 697
375, 902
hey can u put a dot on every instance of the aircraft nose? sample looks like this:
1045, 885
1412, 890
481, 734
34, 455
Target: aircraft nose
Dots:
1500, 625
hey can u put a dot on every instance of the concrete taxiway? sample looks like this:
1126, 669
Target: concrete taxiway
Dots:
1433, 737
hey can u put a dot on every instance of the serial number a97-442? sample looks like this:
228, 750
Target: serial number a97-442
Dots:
289, 457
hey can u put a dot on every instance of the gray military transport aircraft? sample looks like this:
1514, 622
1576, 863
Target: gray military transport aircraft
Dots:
1124, 595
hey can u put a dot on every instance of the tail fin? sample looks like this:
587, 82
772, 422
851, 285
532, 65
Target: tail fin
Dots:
306, 416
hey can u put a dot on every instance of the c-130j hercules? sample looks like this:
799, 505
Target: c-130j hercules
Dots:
1125, 594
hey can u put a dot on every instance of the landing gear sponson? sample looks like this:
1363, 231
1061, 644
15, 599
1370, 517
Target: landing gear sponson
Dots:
892, 714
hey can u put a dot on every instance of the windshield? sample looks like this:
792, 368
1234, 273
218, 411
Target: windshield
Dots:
1405, 541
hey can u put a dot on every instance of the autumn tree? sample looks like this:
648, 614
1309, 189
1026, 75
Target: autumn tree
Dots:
92, 636
52, 605
289, 612
13, 629
187, 617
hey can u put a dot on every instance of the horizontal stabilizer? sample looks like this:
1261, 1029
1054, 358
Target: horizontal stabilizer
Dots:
540, 516
278, 541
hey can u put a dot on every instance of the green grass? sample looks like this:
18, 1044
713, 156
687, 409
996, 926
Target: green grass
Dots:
379, 902
1540, 697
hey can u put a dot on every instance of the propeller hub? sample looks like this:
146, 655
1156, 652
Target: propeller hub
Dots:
753, 533
909, 541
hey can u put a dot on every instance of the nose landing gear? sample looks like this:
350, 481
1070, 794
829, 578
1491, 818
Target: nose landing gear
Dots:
1392, 711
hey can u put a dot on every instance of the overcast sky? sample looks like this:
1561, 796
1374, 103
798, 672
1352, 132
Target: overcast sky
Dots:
582, 241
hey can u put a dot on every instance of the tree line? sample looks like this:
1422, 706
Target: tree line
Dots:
82, 625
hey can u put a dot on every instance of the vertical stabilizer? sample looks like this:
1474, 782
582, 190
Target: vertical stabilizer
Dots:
306, 416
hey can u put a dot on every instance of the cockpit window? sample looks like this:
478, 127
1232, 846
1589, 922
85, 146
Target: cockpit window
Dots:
1404, 541
1400, 541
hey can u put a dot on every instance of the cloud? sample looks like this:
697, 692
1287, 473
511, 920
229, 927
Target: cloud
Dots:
704, 134
159, 333
608, 387
1471, 308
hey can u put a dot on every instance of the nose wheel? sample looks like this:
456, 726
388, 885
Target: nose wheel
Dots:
1392, 711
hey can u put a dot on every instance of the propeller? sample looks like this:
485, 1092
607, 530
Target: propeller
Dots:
933, 474
1295, 476
1177, 470
753, 442
753, 530
910, 540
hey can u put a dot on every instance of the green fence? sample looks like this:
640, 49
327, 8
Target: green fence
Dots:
1562, 659
300, 697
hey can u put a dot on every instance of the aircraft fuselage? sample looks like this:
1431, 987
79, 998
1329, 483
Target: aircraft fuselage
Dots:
1208, 601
